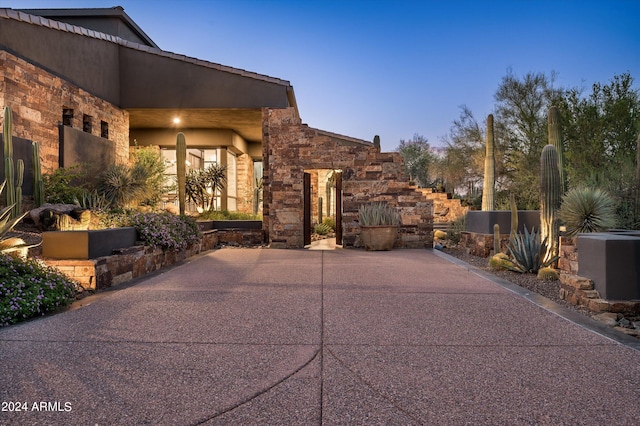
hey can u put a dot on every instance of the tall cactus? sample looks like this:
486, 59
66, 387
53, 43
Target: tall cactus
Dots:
17, 209
496, 239
514, 216
555, 139
181, 170
550, 196
38, 183
488, 202
8, 158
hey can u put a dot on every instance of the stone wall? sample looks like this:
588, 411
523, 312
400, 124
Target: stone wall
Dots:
127, 264
445, 208
290, 148
37, 99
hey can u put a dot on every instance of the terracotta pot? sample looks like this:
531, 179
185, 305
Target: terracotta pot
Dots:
378, 237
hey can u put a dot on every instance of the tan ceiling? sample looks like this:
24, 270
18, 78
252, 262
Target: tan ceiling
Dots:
245, 122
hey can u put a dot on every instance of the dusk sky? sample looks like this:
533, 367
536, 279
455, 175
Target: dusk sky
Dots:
393, 68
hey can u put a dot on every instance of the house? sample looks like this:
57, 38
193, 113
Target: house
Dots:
99, 86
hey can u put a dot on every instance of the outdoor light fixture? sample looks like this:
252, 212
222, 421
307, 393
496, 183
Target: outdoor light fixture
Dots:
176, 120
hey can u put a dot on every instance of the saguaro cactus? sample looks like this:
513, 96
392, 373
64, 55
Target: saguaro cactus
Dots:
17, 209
550, 196
38, 183
8, 157
488, 202
181, 170
496, 239
555, 139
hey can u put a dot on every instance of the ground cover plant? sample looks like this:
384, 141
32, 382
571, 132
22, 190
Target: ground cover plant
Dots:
29, 289
227, 215
166, 230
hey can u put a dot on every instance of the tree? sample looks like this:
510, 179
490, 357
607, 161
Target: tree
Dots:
601, 131
521, 131
417, 159
202, 185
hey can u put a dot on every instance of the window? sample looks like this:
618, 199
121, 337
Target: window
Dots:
67, 117
86, 123
104, 129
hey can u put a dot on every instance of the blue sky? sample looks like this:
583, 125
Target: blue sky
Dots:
394, 68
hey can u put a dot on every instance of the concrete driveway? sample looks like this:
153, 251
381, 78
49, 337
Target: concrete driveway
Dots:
299, 337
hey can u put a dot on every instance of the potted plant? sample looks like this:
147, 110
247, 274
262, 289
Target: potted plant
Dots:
378, 225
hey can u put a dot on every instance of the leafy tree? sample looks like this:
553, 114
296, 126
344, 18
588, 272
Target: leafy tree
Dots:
202, 185
417, 159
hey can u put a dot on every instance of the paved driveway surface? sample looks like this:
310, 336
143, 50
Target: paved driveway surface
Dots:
293, 337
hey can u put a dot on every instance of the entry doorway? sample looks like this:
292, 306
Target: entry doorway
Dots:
322, 206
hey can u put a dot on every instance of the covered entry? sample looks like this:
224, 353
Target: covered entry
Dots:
322, 202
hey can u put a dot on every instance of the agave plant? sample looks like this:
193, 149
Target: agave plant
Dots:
527, 252
9, 244
378, 214
587, 210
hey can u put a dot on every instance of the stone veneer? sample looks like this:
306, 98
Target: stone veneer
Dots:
290, 148
37, 99
445, 208
127, 264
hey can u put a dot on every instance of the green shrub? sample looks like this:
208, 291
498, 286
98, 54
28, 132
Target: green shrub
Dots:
227, 215
527, 252
123, 185
165, 230
456, 228
202, 184
330, 222
29, 289
587, 210
322, 229
151, 167
63, 185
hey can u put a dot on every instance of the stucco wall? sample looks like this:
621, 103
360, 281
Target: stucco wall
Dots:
290, 148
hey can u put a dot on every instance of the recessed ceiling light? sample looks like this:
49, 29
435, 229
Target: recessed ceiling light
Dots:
176, 120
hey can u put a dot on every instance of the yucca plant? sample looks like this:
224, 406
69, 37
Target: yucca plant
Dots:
322, 229
527, 252
378, 214
587, 210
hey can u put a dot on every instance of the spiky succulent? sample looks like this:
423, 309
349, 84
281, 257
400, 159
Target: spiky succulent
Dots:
587, 210
378, 214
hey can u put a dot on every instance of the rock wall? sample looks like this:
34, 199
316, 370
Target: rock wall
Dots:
290, 148
38, 98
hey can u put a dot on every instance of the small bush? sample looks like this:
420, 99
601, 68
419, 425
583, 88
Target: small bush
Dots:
227, 215
64, 185
457, 227
330, 222
166, 230
321, 229
29, 289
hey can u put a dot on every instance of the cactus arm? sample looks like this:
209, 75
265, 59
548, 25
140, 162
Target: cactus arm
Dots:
38, 184
17, 210
496, 239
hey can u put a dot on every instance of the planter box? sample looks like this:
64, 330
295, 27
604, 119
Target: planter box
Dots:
481, 222
378, 237
86, 244
206, 225
612, 262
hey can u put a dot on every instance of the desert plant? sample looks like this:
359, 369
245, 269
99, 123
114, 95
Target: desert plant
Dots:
14, 183
167, 231
7, 223
587, 210
330, 222
488, 185
92, 200
378, 214
201, 185
514, 215
555, 139
456, 228
31, 289
322, 229
548, 274
227, 215
527, 252
63, 185
500, 261
38, 182
181, 170
550, 198
122, 185
496, 239
151, 167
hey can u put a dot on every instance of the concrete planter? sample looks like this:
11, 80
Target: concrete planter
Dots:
86, 244
481, 222
376, 238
